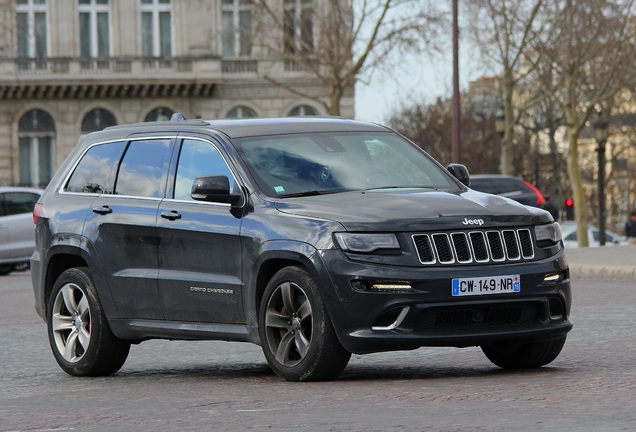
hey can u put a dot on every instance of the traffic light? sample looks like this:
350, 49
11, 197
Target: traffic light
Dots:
569, 209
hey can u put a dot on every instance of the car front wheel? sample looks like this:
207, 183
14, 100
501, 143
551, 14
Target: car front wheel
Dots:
79, 335
297, 336
524, 355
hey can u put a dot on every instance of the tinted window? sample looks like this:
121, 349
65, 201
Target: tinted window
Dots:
571, 236
18, 203
198, 159
510, 186
142, 170
483, 185
94, 173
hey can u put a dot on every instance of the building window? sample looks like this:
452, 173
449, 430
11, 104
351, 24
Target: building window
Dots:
31, 28
302, 110
97, 119
156, 28
94, 27
241, 111
298, 26
159, 114
236, 17
36, 132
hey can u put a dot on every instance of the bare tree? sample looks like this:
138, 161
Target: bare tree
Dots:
430, 128
586, 59
504, 30
338, 41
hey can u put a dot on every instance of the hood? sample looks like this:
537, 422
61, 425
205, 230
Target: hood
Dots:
414, 210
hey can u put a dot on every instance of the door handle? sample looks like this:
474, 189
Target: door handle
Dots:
171, 215
102, 210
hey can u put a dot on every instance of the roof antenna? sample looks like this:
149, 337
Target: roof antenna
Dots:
177, 116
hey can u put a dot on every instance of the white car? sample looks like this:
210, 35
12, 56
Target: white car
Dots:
17, 231
568, 229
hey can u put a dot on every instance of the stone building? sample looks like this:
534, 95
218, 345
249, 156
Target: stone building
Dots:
69, 67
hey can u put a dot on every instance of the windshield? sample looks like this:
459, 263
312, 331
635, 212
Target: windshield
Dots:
317, 163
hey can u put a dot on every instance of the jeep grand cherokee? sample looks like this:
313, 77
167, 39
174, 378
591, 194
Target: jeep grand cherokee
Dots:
312, 237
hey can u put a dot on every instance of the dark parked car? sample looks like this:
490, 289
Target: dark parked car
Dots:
17, 234
312, 237
508, 186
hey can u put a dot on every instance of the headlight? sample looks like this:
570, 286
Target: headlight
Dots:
548, 232
355, 242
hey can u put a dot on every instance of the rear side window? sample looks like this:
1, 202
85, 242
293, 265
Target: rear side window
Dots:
143, 169
13, 203
95, 172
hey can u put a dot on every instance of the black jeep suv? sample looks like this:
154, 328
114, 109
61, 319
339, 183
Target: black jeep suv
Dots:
312, 237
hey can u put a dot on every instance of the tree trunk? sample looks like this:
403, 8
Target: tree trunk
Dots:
580, 205
335, 97
507, 143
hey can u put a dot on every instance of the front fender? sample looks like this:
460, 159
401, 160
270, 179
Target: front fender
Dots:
274, 255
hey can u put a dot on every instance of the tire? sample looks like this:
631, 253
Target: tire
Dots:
5, 269
79, 334
297, 336
524, 355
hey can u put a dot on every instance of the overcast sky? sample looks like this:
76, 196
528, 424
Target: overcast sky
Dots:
422, 82
417, 80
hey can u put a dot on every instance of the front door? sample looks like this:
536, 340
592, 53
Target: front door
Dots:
199, 245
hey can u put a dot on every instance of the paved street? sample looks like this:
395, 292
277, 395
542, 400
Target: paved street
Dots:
170, 386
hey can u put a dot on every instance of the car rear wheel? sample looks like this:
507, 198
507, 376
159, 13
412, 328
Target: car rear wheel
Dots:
297, 336
524, 355
79, 335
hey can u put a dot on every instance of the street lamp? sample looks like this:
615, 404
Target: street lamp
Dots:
600, 132
500, 122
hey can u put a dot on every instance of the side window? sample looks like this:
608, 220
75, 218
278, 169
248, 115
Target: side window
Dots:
143, 169
19, 203
483, 185
197, 159
94, 173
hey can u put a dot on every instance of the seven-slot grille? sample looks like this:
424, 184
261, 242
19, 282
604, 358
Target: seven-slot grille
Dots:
465, 247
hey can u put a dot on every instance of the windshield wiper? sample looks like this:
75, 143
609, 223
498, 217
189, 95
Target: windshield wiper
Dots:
403, 187
315, 192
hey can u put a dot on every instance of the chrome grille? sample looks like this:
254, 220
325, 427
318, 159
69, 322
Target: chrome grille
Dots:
474, 246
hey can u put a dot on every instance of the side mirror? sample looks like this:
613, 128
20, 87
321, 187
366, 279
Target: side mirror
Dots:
215, 188
460, 172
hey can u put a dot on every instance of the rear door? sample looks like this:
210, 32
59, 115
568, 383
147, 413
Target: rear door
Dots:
199, 244
121, 226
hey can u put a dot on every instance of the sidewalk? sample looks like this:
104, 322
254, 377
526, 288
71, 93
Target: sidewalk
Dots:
607, 262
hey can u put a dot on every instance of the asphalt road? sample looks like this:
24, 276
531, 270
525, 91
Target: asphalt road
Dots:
220, 386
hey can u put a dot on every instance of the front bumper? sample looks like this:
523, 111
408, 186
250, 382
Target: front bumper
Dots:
369, 320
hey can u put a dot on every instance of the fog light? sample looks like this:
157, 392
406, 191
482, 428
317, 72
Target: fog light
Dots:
391, 286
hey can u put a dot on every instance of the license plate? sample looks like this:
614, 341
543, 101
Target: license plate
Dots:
486, 285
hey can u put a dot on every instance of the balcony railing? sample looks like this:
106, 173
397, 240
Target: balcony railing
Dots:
28, 69
240, 66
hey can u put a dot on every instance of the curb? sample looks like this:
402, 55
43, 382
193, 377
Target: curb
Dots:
610, 262
583, 271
